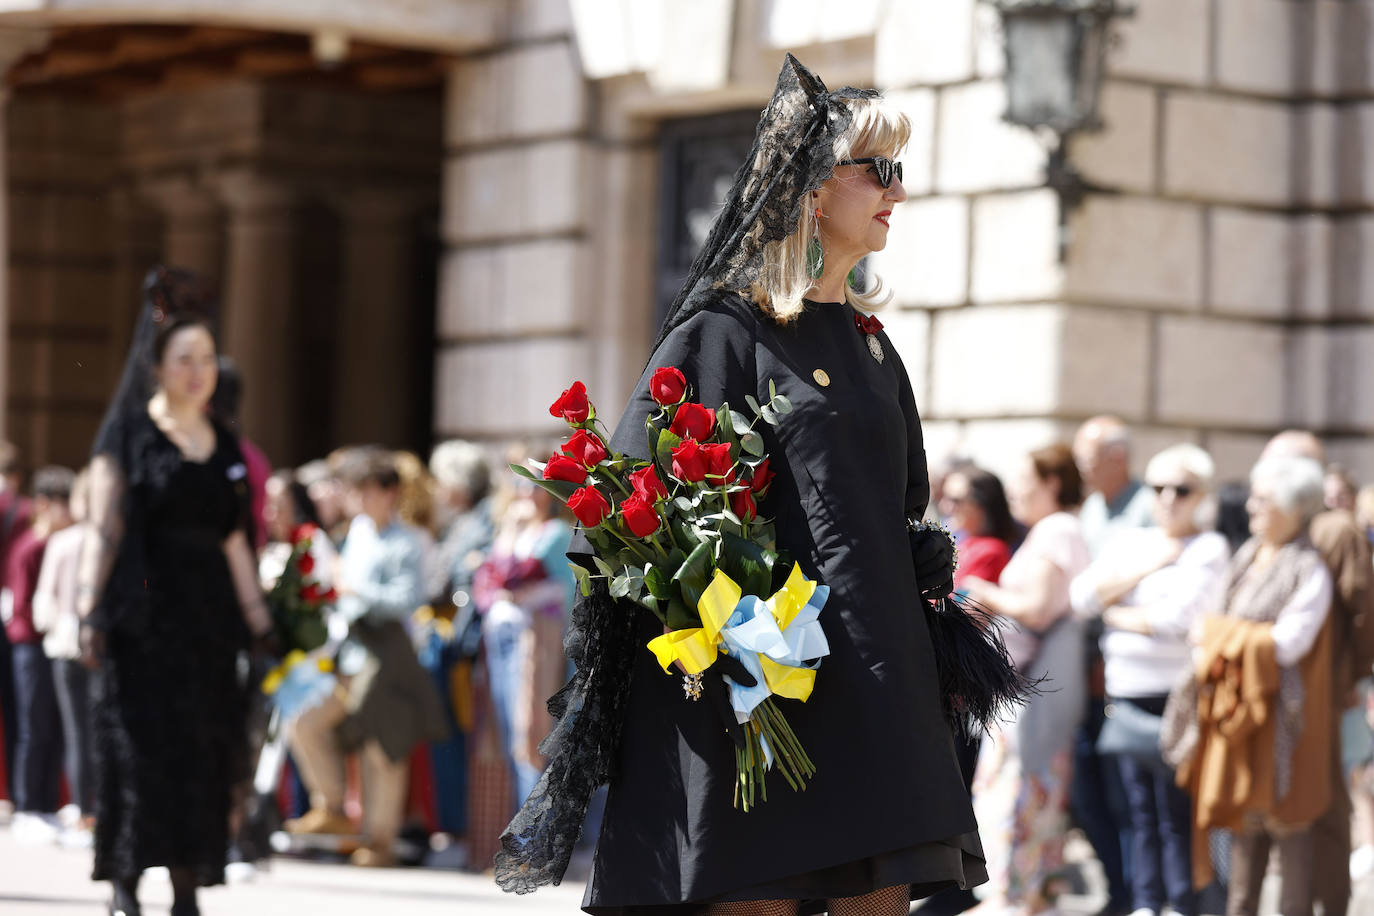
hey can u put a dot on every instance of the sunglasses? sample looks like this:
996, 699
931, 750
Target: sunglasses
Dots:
1181, 490
883, 167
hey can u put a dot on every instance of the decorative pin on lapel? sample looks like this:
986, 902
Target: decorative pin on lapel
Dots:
869, 327
822, 378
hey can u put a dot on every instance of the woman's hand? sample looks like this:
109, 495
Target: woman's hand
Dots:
92, 642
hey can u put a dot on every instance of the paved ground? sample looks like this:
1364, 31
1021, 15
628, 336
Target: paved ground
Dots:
48, 881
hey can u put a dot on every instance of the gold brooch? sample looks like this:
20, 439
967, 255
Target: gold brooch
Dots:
822, 378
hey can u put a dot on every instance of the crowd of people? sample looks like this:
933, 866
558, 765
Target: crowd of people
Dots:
1208, 646
1204, 652
144, 621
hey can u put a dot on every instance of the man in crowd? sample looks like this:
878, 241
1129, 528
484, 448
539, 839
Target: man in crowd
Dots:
15, 515
1116, 502
37, 756
1346, 552
386, 704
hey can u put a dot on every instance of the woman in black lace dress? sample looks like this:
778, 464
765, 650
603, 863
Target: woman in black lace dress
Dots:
169, 597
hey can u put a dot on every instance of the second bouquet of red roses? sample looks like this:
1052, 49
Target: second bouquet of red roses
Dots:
681, 536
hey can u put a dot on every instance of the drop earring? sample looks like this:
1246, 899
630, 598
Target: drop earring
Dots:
815, 255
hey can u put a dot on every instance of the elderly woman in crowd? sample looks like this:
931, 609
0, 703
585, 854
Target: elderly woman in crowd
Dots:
1250, 731
1021, 790
1149, 586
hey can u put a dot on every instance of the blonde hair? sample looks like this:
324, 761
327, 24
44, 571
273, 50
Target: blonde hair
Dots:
877, 129
416, 506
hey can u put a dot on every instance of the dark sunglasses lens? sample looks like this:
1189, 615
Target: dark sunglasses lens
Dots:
897, 166
1182, 492
883, 166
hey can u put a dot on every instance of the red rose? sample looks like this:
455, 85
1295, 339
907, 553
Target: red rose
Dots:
763, 476
640, 516
689, 461
586, 448
312, 592
330, 596
647, 485
742, 504
667, 385
303, 531
719, 466
692, 421
305, 563
590, 507
561, 467
572, 405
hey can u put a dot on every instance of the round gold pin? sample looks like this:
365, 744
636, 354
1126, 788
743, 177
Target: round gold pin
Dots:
822, 378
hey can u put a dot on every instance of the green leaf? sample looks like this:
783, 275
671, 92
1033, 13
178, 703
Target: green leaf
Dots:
685, 504
694, 575
679, 616
583, 577
753, 404
748, 564
740, 422
770, 416
752, 443
663, 453
772, 390
620, 586
603, 567
782, 405
658, 582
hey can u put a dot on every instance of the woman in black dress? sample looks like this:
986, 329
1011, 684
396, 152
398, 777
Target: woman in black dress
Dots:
168, 597
887, 817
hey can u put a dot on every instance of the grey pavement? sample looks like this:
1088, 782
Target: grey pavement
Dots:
49, 881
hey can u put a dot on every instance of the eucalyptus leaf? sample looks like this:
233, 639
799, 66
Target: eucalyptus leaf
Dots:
602, 566
782, 405
753, 404
770, 416
685, 504
740, 422
772, 390
620, 586
752, 443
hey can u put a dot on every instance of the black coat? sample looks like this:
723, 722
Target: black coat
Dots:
888, 804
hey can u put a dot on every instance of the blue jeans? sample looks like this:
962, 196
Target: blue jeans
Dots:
1099, 805
507, 672
38, 745
1161, 835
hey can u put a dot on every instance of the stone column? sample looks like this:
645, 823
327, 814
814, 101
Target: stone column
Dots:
377, 323
257, 304
193, 226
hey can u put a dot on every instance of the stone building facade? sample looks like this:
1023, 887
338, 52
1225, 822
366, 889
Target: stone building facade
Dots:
1211, 286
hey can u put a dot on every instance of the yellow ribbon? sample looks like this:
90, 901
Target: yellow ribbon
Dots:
695, 649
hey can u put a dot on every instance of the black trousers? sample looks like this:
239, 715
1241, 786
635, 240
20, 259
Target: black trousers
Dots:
70, 678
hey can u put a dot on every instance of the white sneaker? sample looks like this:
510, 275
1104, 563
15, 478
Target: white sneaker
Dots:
31, 829
240, 872
69, 816
1361, 863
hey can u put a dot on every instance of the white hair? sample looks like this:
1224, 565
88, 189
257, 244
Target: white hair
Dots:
1185, 457
461, 465
1296, 483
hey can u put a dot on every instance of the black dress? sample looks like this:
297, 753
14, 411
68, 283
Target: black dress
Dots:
888, 805
168, 719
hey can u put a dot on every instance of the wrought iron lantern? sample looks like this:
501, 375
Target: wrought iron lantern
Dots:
1056, 59
1056, 56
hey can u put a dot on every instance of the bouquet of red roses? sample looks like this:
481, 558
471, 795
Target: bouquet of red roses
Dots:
681, 536
297, 603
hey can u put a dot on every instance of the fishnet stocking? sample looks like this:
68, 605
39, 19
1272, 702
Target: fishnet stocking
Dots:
753, 908
889, 901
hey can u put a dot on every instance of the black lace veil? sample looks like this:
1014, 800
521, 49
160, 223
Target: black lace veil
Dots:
793, 154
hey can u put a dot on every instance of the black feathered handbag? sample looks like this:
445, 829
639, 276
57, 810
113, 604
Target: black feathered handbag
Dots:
978, 683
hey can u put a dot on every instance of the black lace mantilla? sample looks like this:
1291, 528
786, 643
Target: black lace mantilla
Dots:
793, 154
